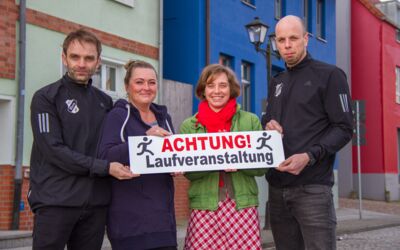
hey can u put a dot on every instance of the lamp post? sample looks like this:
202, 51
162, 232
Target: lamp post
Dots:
257, 32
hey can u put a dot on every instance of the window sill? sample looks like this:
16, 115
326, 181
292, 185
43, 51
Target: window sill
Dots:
248, 4
322, 40
129, 3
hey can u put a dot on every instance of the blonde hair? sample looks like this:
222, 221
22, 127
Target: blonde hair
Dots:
131, 65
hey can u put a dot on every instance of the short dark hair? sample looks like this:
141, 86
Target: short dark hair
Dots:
131, 65
82, 35
208, 74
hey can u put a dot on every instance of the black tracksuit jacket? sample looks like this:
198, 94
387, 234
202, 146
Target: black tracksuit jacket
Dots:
66, 119
312, 103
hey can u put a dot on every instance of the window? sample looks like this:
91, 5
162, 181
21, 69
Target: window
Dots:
398, 35
278, 9
246, 86
306, 15
130, 3
226, 60
110, 77
7, 132
398, 84
398, 15
105, 78
321, 19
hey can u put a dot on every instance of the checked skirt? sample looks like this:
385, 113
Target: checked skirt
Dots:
224, 229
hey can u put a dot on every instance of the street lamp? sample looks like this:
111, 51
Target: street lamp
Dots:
257, 32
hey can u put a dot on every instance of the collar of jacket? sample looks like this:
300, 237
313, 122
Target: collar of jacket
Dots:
160, 111
304, 63
68, 81
201, 129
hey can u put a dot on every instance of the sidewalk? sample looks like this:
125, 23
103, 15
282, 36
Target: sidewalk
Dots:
347, 216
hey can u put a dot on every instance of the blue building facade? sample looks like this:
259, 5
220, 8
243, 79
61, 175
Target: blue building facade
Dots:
197, 33
201, 32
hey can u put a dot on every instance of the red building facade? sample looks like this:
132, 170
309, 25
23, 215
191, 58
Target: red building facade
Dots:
375, 54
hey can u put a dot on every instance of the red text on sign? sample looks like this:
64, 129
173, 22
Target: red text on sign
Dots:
205, 142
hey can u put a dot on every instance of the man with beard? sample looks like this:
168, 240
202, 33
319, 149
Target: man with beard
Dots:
69, 187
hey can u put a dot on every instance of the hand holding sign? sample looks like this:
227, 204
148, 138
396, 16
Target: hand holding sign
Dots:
274, 125
120, 171
294, 164
157, 131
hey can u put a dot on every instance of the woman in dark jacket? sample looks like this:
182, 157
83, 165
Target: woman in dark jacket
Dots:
141, 214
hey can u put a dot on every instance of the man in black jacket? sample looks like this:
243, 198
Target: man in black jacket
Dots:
309, 105
69, 187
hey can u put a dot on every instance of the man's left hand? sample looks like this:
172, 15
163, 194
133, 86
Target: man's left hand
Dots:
294, 164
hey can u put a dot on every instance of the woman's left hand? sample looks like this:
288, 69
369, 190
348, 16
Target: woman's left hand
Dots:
157, 131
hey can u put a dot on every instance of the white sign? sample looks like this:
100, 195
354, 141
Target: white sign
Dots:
208, 151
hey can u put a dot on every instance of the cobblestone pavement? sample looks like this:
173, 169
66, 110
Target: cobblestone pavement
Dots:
377, 206
382, 239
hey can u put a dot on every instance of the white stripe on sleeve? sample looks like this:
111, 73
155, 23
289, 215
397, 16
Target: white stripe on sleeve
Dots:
40, 123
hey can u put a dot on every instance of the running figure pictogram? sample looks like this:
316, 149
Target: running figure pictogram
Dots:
264, 140
144, 145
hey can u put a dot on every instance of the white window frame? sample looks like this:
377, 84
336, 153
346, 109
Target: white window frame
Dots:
130, 3
246, 85
120, 71
398, 84
7, 132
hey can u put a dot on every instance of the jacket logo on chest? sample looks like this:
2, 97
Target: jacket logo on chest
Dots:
72, 106
278, 89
